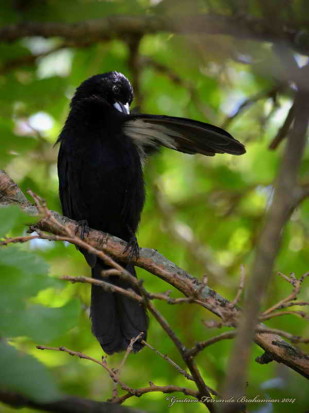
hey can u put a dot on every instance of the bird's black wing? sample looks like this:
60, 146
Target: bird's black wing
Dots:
64, 187
181, 134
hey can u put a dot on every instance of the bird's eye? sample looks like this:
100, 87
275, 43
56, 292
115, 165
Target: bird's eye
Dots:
116, 89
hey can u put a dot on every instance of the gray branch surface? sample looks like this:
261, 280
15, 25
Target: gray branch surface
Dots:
242, 27
287, 193
161, 267
65, 405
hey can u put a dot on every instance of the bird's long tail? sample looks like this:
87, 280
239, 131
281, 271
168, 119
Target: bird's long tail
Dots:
116, 318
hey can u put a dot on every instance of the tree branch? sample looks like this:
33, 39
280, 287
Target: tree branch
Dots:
247, 103
283, 204
114, 375
68, 404
284, 130
243, 27
160, 266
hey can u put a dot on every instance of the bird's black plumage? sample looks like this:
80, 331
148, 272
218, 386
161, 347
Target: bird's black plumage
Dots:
101, 182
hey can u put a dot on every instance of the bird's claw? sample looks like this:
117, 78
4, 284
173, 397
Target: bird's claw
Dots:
82, 229
132, 249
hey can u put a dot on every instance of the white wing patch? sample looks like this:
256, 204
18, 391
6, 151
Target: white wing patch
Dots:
144, 133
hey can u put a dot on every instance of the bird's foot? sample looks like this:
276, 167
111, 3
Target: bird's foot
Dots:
132, 248
82, 229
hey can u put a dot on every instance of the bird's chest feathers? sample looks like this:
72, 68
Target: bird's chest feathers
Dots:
108, 155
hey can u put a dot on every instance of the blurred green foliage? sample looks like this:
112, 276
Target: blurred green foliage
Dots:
204, 214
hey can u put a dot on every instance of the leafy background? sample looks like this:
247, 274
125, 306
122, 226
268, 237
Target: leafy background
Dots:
202, 213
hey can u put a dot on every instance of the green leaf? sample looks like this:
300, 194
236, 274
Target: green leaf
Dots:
23, 275
8, 218
12, 144
28, 263
42, 324
24, 374
16, 286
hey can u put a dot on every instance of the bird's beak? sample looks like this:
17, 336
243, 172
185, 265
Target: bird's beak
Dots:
124, 108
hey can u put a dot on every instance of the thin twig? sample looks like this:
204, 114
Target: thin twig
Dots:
247, 103
128, 351
16, 240
71, 353
114, 376
240, 288
154, 388
204, 109
284, 130
203, 389
169, 360
203, 344
281, 333
300, 314
289, 299
105, 285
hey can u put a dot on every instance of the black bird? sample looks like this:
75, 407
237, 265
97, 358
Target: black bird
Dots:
101, 182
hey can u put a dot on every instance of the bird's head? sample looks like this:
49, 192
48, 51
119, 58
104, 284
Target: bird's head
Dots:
113, 87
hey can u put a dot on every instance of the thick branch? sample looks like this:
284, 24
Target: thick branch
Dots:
158, 265
245, 27
284, 201
65, 405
